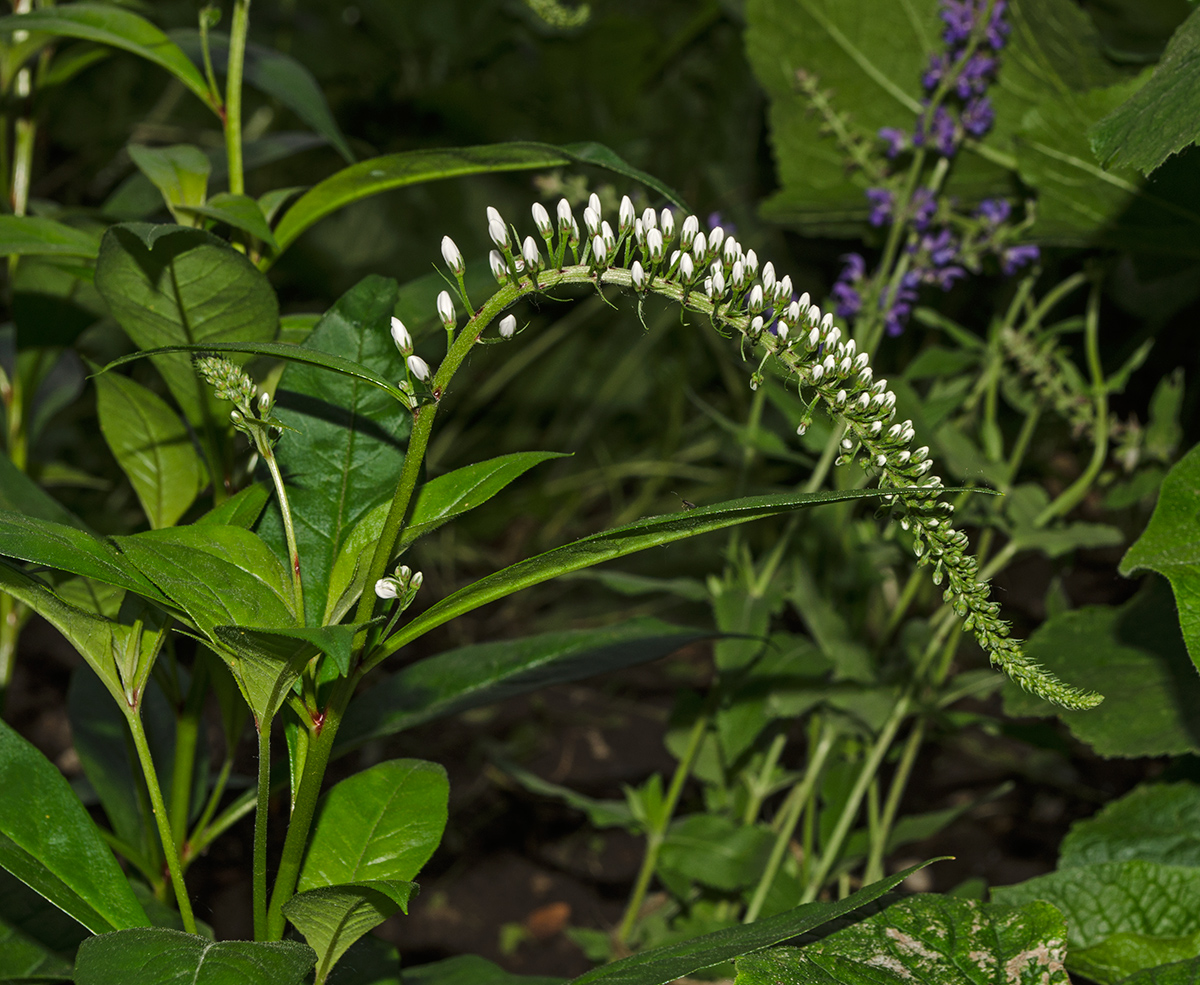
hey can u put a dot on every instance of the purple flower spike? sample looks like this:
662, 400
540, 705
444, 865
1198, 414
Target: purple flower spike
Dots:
938, 64
942, 248
881, 205
1016, 257
946, 277
975, 74
998, 27
944, 132
924, 207
849, 301
994, 210
896, 313
959, 16
978, 115
897, 140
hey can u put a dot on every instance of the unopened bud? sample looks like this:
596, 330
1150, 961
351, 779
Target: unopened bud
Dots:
529, 250
445, 309
418, 367
565, 218
598, 250
625, 215
654, 244
541, 219
497, 232
508, 326
638, 275
666, 222
499, 267
686, 267
452, 256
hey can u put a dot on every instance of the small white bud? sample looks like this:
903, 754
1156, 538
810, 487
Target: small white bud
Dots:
508, 326
861, 360
494, 216
817, 372
650, 219
598, 250
784, 288
924, 467
851, 347
756, 298
625, 215
731, 249
497, 232
573, 237
835, 336
708, 286
699, 245
768, 277
751, 263
594, 204
499, 268
452, 256
387, 588
401, 337
654, 244
814, 314
847, 444
814, 339
639, 232
565, 218
738, 275
638, 275
591, 220
827, 322
686, 267
875, 428
541, 219
606, 234
804, 301
881, 460
841, 398
794, 312
666, 222
715, 236
674, 258
445, 308
844, 367
691, 226
529, 250
756, 326
718, 283
418, 367
782, 329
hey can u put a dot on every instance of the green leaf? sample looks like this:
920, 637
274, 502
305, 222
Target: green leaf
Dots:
24, 958
241, 510
664, 964
1121, 916
1170, 545
169, 285
653, 531
48, 841
115, 26
382, 823
239, 211
180, 173
38, 236
439, 501
934, 940
1157, 822
171, 957
336, 642
344, 456
1178, 973
600, 813
716, 851
1160, 118
380, 174
277, 75
1134, 655
469, 969
489, 672
20, 494
333, 917
152, 446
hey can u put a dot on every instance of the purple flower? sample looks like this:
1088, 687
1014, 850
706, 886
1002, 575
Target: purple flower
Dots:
881, 205
714, 220
946, 276
924, 206
994, 210
849, 301
977, 116
945, 133
1016, 257
959, 16
998, 27
897, 140
975, 74
942, 247
938, 64
897, 309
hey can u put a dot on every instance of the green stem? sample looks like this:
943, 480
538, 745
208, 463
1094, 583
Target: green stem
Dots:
656, 834
289, 528
800, 795
233, 94
874, 869
760, 787
194, 845
261, 812
187, 735
161, 818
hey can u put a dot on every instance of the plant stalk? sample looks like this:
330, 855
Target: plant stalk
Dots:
233, 95
261, 813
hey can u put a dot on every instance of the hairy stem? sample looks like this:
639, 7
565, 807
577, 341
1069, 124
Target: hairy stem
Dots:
233, 95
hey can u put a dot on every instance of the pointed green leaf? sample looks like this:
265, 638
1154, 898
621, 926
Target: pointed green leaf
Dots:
184, 286
171, 957
716, 851
489, 672
652, 531
439, 501
239, 211
664, 964
344, 456
48, 841
333, 917
39, 236
26, 959
277, 75
1176, 973
380, 174
179, 172
20, 494
336, 642
241, 510
382, 823
111, 25
152, 446
1158, 822
264, 665
934, 940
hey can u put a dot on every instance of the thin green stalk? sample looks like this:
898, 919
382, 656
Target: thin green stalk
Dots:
656, 834
800, 796
233, 95
193, 846
874, 869
151, 873
187, 734
760, 786
161, 818
289, 527
261, 812
831, 850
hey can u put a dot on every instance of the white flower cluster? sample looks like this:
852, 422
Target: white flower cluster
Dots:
711, 273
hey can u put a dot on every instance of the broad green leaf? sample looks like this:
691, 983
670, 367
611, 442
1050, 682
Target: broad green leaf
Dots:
370, 961
152, 446
333, 917
115, 26
171, 957
934, 940
241, 510
1160, 118
169, 285
653, 531
1134, 655
660, 965
20, 494
277, 75
38, 918
716, 851
48, 841
39, 236
218, 575
344, 456
1158, 822
1177, 973
439, 501
179, 172
24, 958
239, 211
380, 174
336, 642
55, 545
469, 969
1170, 545
488, 672
382, 823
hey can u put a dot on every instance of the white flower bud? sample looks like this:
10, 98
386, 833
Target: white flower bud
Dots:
508, 326
674, 258
401, 337
814, 315
844, 367
835, 336
541, 219
715, 236
573, 238
650, 219
686, 267
452, 256
699, 245
781, 329
598, 250
708, 286
445, 308
639, 232
731, 249
827, 322
691, 226
847, 444
768, 277
861, 360
666, 222
418, 367
529, 250
841, 398
591, 221
565, 218
264, 403
738, 275
625, 215
387, 588
594, 205
654, 244
814, 339
817, 372
784, 288
851, 347
718, 283
499, 268
756, 326
494, 216
875, 428
804, 301
606, 234
638, 274
497, 232
751, 263
756, 298
829, 364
